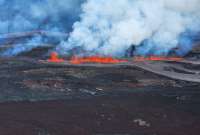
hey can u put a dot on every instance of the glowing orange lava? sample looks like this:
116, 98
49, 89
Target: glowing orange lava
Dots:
157, 58
95, 59
54, 58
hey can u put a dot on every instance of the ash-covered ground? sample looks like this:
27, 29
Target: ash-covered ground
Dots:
41, 98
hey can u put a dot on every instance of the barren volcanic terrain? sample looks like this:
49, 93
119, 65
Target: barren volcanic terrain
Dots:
42, 98
99, 67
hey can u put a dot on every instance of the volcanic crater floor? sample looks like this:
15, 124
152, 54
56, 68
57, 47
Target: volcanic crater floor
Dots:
57, 99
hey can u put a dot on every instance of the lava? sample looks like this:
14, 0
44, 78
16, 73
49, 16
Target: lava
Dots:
157, 58
109, 60
95, 59
54, 58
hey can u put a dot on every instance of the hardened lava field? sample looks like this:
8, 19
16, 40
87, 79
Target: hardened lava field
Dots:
60, 98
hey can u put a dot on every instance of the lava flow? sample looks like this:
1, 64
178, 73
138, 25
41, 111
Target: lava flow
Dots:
54, 58
157, 58
95, 59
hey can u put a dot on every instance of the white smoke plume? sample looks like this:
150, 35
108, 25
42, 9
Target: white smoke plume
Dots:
110, 27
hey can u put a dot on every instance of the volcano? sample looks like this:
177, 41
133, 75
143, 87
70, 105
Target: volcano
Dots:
99, 67
56, 94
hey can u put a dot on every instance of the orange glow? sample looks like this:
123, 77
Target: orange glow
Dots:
158, 58
54, 58
95, 59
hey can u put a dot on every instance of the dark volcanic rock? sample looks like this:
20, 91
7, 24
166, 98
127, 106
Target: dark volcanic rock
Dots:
27, 79
94, 100
134, 113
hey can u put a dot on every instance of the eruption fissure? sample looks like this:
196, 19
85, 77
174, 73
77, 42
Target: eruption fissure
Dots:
156, 58
55, 58
96, 59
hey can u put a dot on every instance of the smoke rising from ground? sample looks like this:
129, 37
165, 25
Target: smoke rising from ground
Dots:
110, 27
106, 27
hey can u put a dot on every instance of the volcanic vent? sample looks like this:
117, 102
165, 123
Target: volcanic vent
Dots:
160, 38
99, 67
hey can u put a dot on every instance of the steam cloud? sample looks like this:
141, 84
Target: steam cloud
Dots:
110, 27
105, 27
